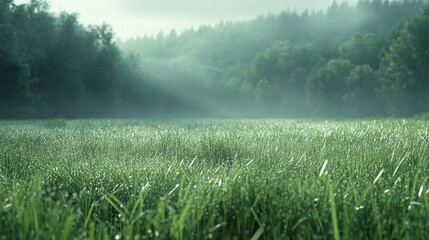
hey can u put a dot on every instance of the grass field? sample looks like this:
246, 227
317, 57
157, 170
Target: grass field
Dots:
214, 179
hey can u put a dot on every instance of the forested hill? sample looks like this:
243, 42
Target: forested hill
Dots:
333, 62
229, 43
348, 61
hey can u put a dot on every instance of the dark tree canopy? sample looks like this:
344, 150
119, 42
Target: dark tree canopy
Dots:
405, 67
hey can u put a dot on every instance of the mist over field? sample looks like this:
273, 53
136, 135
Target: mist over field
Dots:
225, 59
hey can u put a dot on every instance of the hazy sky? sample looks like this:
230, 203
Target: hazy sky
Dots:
139, 17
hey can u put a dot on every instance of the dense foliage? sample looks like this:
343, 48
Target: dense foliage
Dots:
52, 66
234, 179
369, 59
339, 62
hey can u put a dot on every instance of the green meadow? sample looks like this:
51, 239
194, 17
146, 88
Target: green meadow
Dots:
214, 179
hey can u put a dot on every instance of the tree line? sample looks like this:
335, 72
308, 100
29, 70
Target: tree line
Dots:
53, 66
370, 59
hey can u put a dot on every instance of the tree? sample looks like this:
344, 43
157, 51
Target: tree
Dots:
405, 72
61, 79
100, 78
361, 96
16, 85
326, 86
362, 49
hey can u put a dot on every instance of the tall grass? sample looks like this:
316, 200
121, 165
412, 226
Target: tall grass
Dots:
214, 179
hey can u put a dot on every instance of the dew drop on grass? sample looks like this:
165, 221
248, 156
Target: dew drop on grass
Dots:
359, 208
421, 191
117, 237
414, 203
323, 168
378, 176
7, 207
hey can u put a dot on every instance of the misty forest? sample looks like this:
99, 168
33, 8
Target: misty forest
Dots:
348, 61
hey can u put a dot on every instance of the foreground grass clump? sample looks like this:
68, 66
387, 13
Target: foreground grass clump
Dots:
261, 179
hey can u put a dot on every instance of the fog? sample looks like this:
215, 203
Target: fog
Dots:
131, 18
225, 59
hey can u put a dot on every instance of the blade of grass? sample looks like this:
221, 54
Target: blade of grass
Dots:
334, 214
